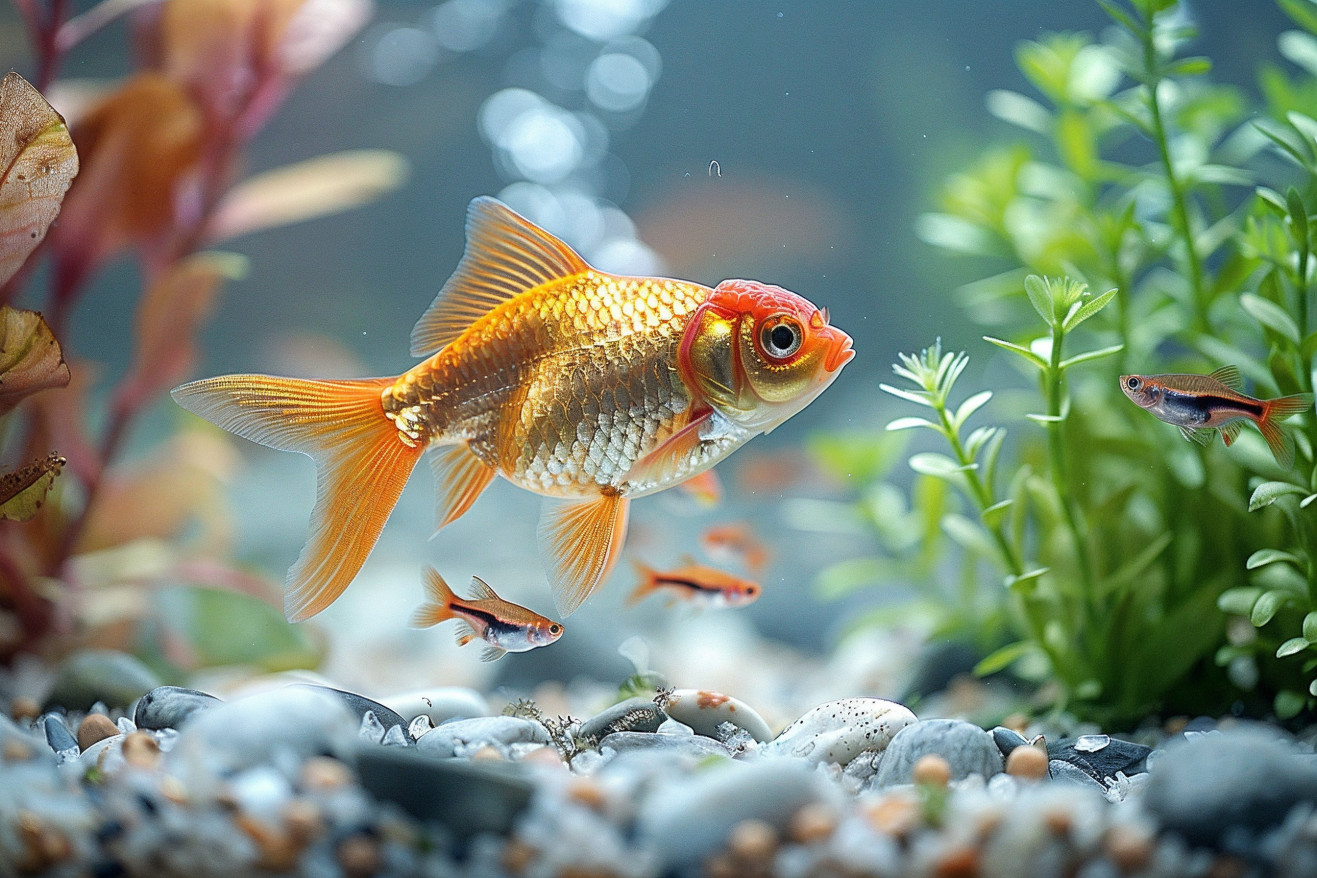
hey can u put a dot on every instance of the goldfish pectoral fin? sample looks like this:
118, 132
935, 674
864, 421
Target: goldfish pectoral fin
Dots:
1230, 432
580, 541
1229, 376
459, 478
492, 653
464, 633
1198, 435
1280, 442
481, 591
505, 255
361, 465
666, 461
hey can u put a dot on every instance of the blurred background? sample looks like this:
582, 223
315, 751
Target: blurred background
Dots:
792, 142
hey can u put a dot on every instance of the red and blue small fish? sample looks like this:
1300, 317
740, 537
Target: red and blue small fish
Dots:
506, 627
1200, 405
702, 586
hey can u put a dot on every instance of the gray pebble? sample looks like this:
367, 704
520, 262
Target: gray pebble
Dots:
704, 711
58, 735
967, 748
695, 746
839, 731
105, 675
387, 717
464, 737
632, 715
1246, 779
166, 707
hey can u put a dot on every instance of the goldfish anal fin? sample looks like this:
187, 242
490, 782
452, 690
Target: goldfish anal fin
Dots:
464, 633
361, 465
1198, 435
1230, 431
506, 255
1229, 376
580, 542
492, 653
481, 591
665, 463
459, 478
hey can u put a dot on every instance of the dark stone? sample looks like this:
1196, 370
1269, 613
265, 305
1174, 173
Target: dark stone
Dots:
1224, 790
1063, 772
1099, 760
1008, 739
58, 735
166, 707
632, 715
967, 748
106, 675
359, 704
467, 798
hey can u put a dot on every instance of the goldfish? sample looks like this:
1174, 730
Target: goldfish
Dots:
587, 387
505, 626
1200, 405
703, 586
738, 541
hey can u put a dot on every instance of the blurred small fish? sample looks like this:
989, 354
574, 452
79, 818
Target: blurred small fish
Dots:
703, 586
706, 488
505, 626
736, 542
1202, 404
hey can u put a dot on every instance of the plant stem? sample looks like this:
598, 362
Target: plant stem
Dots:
980, 494
1053, 380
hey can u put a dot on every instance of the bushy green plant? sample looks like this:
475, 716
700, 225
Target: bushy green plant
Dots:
1133, 561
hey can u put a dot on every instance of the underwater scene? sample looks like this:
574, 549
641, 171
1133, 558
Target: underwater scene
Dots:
732, 438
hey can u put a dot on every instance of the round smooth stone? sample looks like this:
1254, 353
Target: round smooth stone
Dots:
966, 748
166, 707
105, 675
839, 731
632, 715
704, 711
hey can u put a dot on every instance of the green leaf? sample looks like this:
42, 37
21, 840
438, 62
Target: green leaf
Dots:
1091, 355
1291, 647
910, 423
917, 397
22, 491
969, 407
1046, 419
1298, 216
222, 627
1301, 12
993, 515
929, 463
1014, 582
1269, 492
1015, 108
1289, 704
969, 535
1003, 658
1238, 601
1040, 296
1267, 606
1088, 309
849, 575
1271, 315
1124, 19
1190, 67
1310, 627
1263, 557
30, 357
1015, 348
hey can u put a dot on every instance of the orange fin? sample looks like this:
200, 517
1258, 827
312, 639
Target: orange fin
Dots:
647, 582
580, 541
1288, 406
481, 591
1230, 431
1229, 376
505, 255
459, 478
1280, 442
464, 632
665, 461
439, 608
361, 465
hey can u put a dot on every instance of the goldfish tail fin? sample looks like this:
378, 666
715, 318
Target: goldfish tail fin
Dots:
648, 579
440, 606
580, 541
361, 465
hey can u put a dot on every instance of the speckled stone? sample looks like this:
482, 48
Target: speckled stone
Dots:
167, 707
839, 731
704, 711
464, 737
632, 715
967, 749
105, 675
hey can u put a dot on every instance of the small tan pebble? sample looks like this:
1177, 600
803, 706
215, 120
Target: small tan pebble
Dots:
814, 822
587, 792
897, 815
1174, 725
1226, 866
173, 790
359, 855
517, 856
932, 770
487, 754
1058, 821
322, 774
16, 751
1017, 722
1129, 847
544, 756
95, 727
1029, 763
302, 821
43, 845
24, 708
752, 841
141, 750
959, 862
722, 866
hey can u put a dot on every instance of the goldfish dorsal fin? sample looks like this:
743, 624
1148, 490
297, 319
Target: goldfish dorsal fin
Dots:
1229, 376
481, 591
459, 478
506, 255
581, 541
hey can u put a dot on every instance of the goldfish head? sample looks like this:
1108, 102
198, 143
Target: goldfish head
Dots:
543, 631
1143, 392
758, 353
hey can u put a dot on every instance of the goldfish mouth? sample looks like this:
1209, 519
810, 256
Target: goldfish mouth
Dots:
840, 354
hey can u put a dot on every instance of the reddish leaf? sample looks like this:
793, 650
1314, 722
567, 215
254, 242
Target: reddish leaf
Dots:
30, 358
317, 187
24, 490
37, 163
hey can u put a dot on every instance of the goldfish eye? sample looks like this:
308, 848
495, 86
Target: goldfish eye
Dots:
780, 336
1133, 382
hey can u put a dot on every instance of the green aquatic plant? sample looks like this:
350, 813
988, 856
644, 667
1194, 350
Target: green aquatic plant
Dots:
1129, 563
